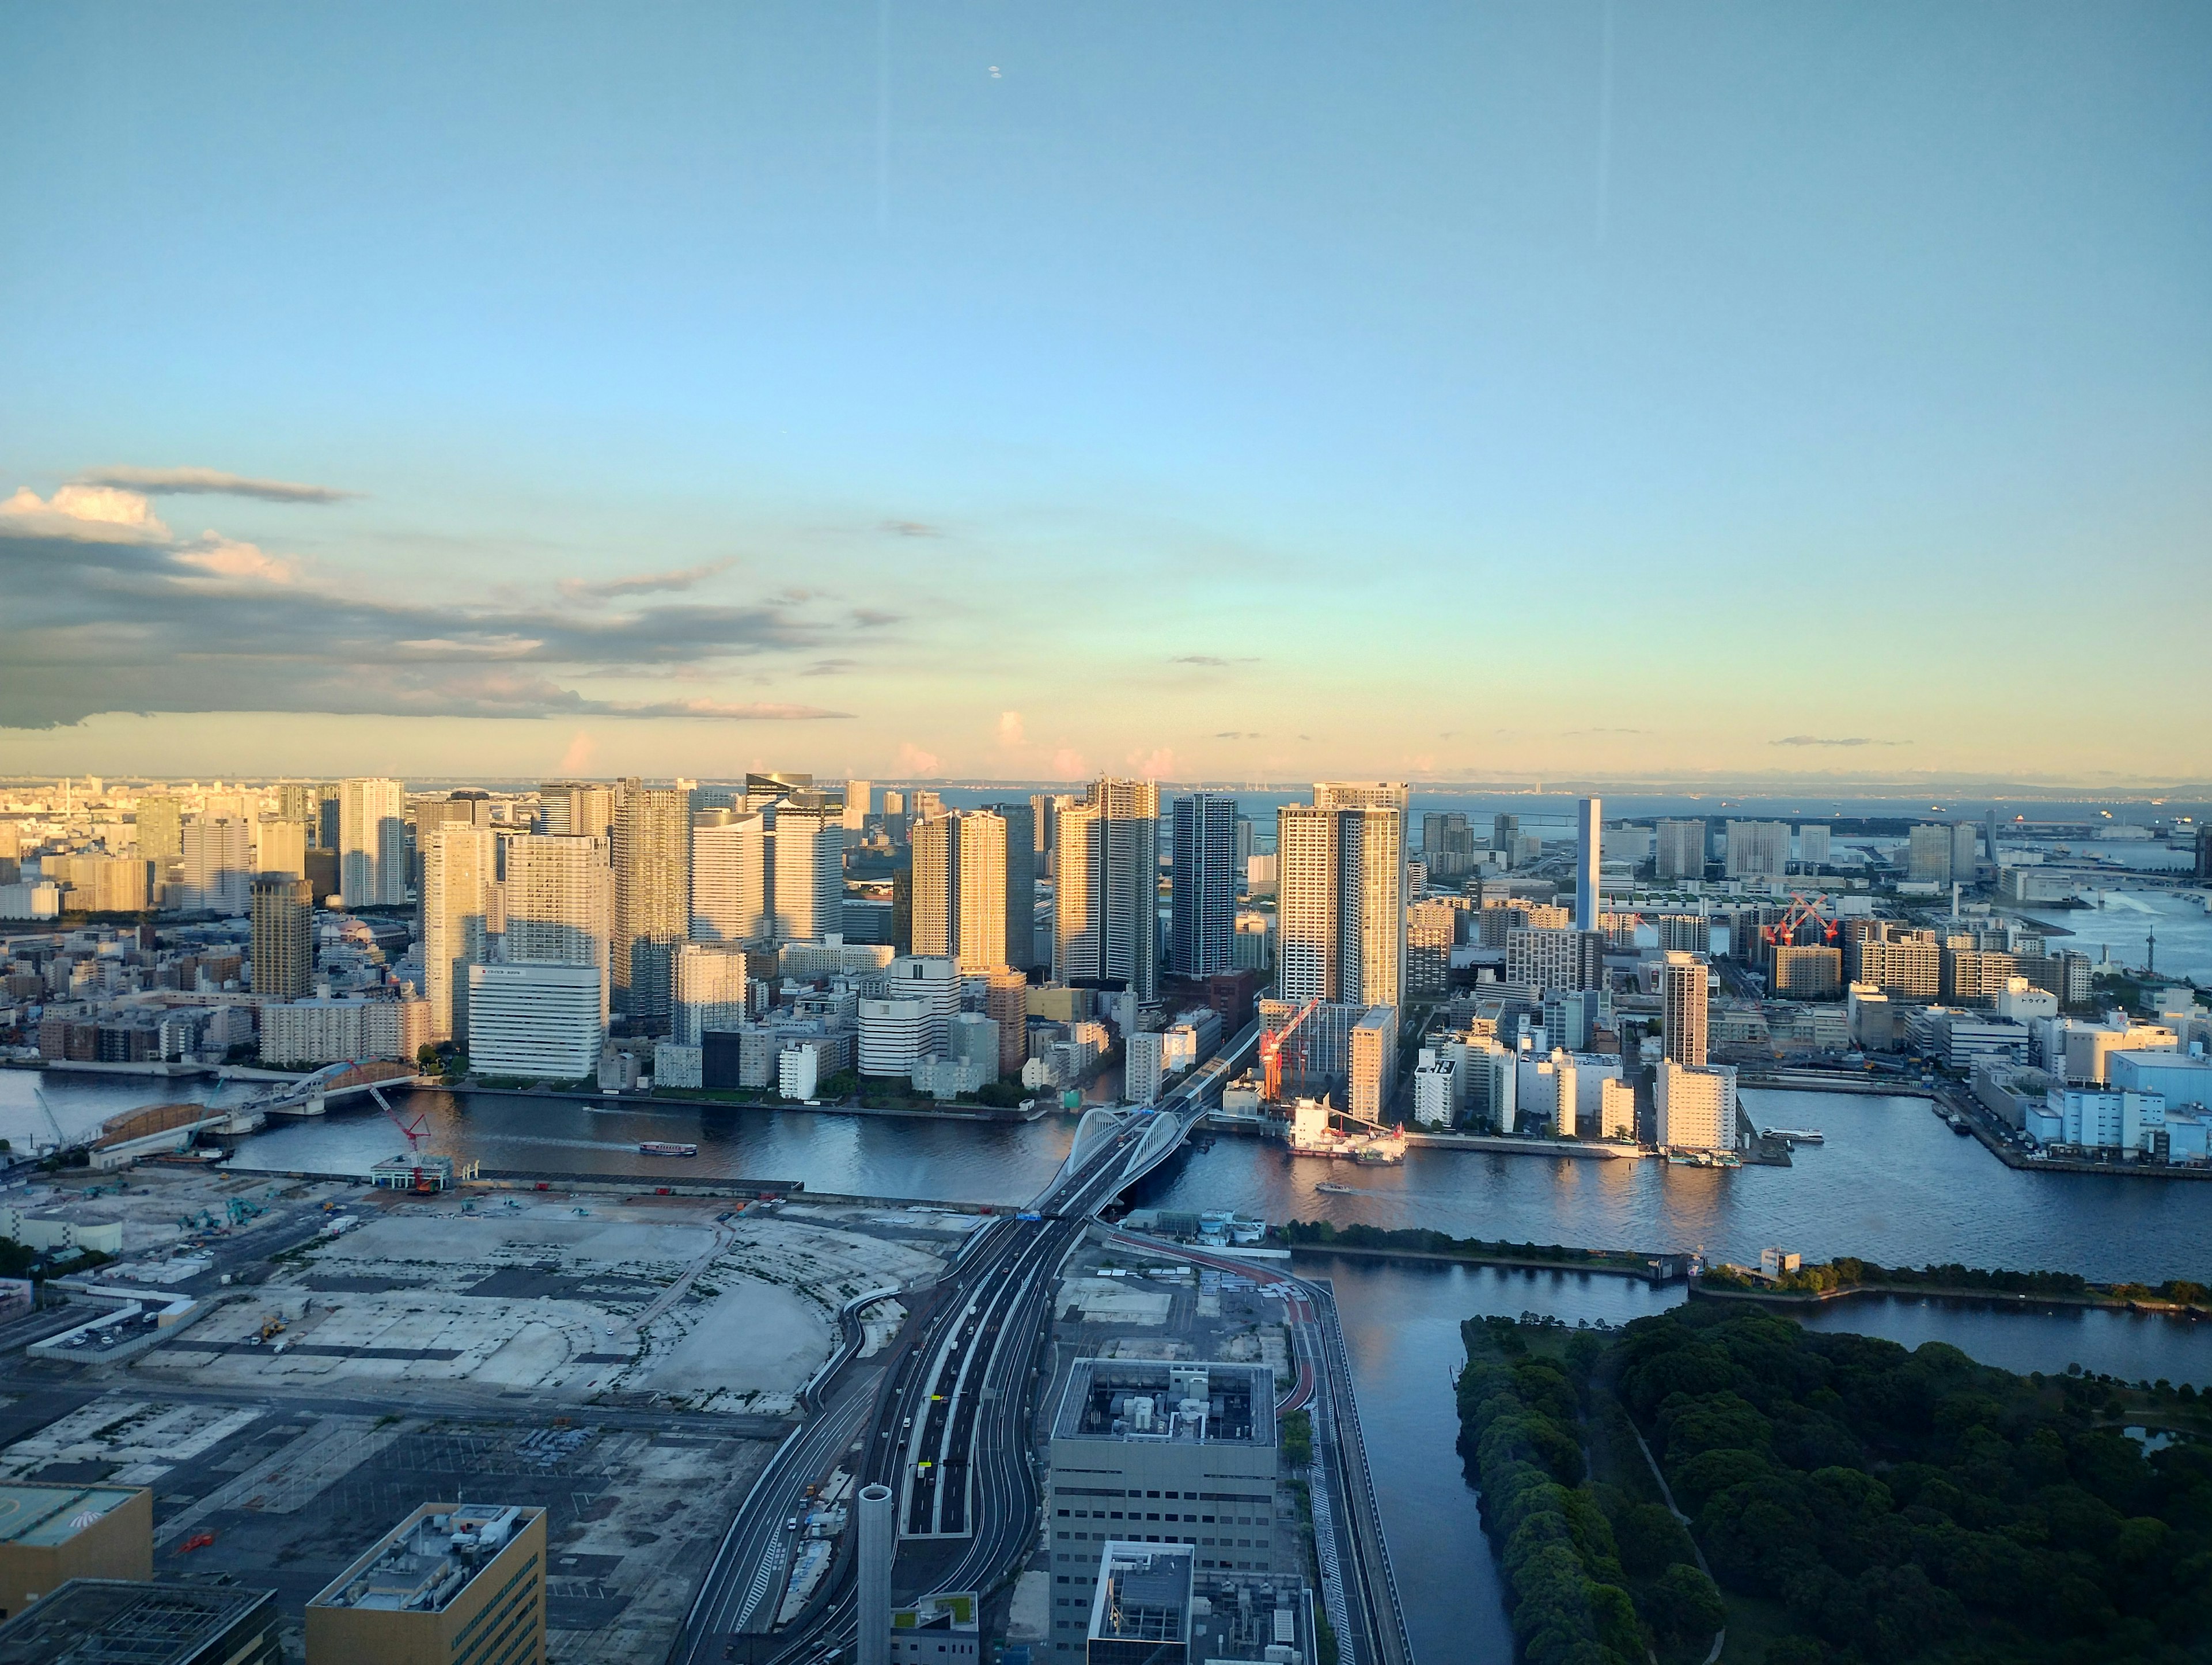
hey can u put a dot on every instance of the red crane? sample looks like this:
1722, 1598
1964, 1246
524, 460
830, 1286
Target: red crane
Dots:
1801, 913
415, 1130
1271, 1052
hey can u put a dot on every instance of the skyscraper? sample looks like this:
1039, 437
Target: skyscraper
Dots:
1022, 863
1340, 897
709, 990
559, 904
575, 809
1590, 840
1678, 850
460, 873
1504, 834
1962, 852
160, 828
371, 843
1108, 862
806, 884
1758, 849
1201, 939
960, 889
856, 808
729, 877
652, 895
283, 942
1683, 989
280, 845
216, 868
1928, 852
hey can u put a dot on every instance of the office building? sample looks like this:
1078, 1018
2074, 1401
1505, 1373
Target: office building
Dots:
1812, 846
1927, 853
806, 868
1446, 846
1545, 958
1589, 845
280, 845
575, 809
460, 879
960, 906
1371, 1062
1505, 835
371, 843
143, 1623
934, 980
283, 940
557, 904
1758, 849
1157, 1454
452, 1584
50, 1533
1963, 863
1695, 1107
538, 1022
1340, 920
729, 876
857, 796
1107, 928
1683, 994
709, 990
894, 1036
1006, 1002
217, 870
1808, 974
1678, 850
1202, 901
1022, 860
652, 861
159, 828
2204, 869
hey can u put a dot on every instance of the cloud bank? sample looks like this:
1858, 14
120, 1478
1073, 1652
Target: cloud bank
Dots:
213, 481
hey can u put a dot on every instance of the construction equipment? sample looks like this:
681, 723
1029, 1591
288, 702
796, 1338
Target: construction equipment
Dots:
61, 1139
416, 1130
1271, 1052
1801, 913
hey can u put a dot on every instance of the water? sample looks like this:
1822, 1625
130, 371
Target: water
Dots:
2126, 920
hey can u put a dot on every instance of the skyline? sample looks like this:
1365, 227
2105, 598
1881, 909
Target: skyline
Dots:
1464, 396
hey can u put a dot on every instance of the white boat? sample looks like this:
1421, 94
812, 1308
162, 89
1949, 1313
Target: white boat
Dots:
1796, 1135
663, 1147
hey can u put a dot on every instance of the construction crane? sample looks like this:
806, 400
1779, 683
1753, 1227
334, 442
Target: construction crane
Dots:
61, 1139
415, 1130
1801, 913
1271, 1052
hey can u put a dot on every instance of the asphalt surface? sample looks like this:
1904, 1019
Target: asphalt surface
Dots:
955, 1390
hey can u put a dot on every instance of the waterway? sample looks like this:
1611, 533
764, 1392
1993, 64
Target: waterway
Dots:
1891, 1183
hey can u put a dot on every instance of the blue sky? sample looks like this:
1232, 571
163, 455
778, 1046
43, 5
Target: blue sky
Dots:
1454, 392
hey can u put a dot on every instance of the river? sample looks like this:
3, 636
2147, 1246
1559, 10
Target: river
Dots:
1892, 1183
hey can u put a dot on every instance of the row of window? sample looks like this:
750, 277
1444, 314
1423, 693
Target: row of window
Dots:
1206, 1520
1109, 1537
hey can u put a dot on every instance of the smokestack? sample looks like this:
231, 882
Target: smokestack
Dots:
875, 1615
1589, 837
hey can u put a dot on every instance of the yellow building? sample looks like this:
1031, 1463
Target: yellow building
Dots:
50, 1535
453, 1584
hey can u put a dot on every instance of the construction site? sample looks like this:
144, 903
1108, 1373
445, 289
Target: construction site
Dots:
292, 1365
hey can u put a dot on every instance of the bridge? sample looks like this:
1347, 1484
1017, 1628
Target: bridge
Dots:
312, 1095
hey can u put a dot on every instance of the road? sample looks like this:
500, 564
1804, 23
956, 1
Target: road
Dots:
954, 1391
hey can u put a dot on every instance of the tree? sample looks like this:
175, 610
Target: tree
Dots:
1685, 1605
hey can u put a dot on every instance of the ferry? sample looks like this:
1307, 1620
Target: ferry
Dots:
1335, 1190
1796, 1135
663, 1147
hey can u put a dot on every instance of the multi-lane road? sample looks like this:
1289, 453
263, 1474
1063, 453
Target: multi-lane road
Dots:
942, 1416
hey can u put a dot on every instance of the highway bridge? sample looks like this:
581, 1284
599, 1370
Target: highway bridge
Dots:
943, 1416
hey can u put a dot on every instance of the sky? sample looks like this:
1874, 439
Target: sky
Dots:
1240, 393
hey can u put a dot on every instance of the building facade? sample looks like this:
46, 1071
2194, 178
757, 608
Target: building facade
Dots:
1203, 896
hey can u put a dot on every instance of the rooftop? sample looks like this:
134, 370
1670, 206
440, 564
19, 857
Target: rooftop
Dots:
1240, 1615
1135, 1398
1144, 1594
43, 1516
126, 1622
429, 1559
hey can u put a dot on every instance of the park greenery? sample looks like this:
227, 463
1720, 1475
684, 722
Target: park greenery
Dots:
1326, 1234
1845, 1273
1858, 1504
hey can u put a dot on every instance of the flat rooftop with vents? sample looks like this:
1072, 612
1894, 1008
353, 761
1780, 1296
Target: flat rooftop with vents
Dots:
1152, 1400
128, 1622
1140, 1612
453, 1583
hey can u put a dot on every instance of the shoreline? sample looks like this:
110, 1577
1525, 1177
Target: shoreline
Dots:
1622, 1267
1786, 1299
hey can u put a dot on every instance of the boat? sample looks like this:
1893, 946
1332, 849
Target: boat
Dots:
1691, 1159
1796, 1135
663, 1147
1727, 1159
1336, 1190
1958, 1126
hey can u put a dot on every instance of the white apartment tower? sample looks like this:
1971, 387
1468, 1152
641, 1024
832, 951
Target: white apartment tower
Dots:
729, 877
806, 893
459, 874
1340, 894
371, 843
1107, 933
558, 900
960, 889
709, 991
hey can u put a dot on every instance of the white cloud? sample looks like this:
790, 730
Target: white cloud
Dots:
1010, 728
223, 558
913, 760
96, 514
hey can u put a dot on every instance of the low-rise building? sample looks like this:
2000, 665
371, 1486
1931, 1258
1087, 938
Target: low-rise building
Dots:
50, 1535
144, 1623
452, 1584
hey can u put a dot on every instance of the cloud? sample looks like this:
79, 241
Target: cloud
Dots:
873, 618
1237, 734
603, 589
830, 667
1157, 764
913, 760
761, 712
223, 558
578, 757
911, 529
1010, 728
1200, 659
1818, 740
1069, 764
214, 481
92, 514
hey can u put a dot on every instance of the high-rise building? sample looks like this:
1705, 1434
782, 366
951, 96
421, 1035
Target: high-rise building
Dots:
1108, 865
283, 942
536, 1021
1813, 845
371, 843
806, 884
1022, 863
216, 866
460, 876
651, 859
1506, 835
1203, 900
708, 990
960, 888
1006, 1003
159, 828
1684, 989
729, 876
1758, 849
857, 793
302, 801
1695, 1107
1431, 929
1678, 850
1554, 958
1962, 852
558, 904
1448, 846
1927, 853
1046, 807
575, 809
1340, 897
1590, 842
280, 845
2203, 853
